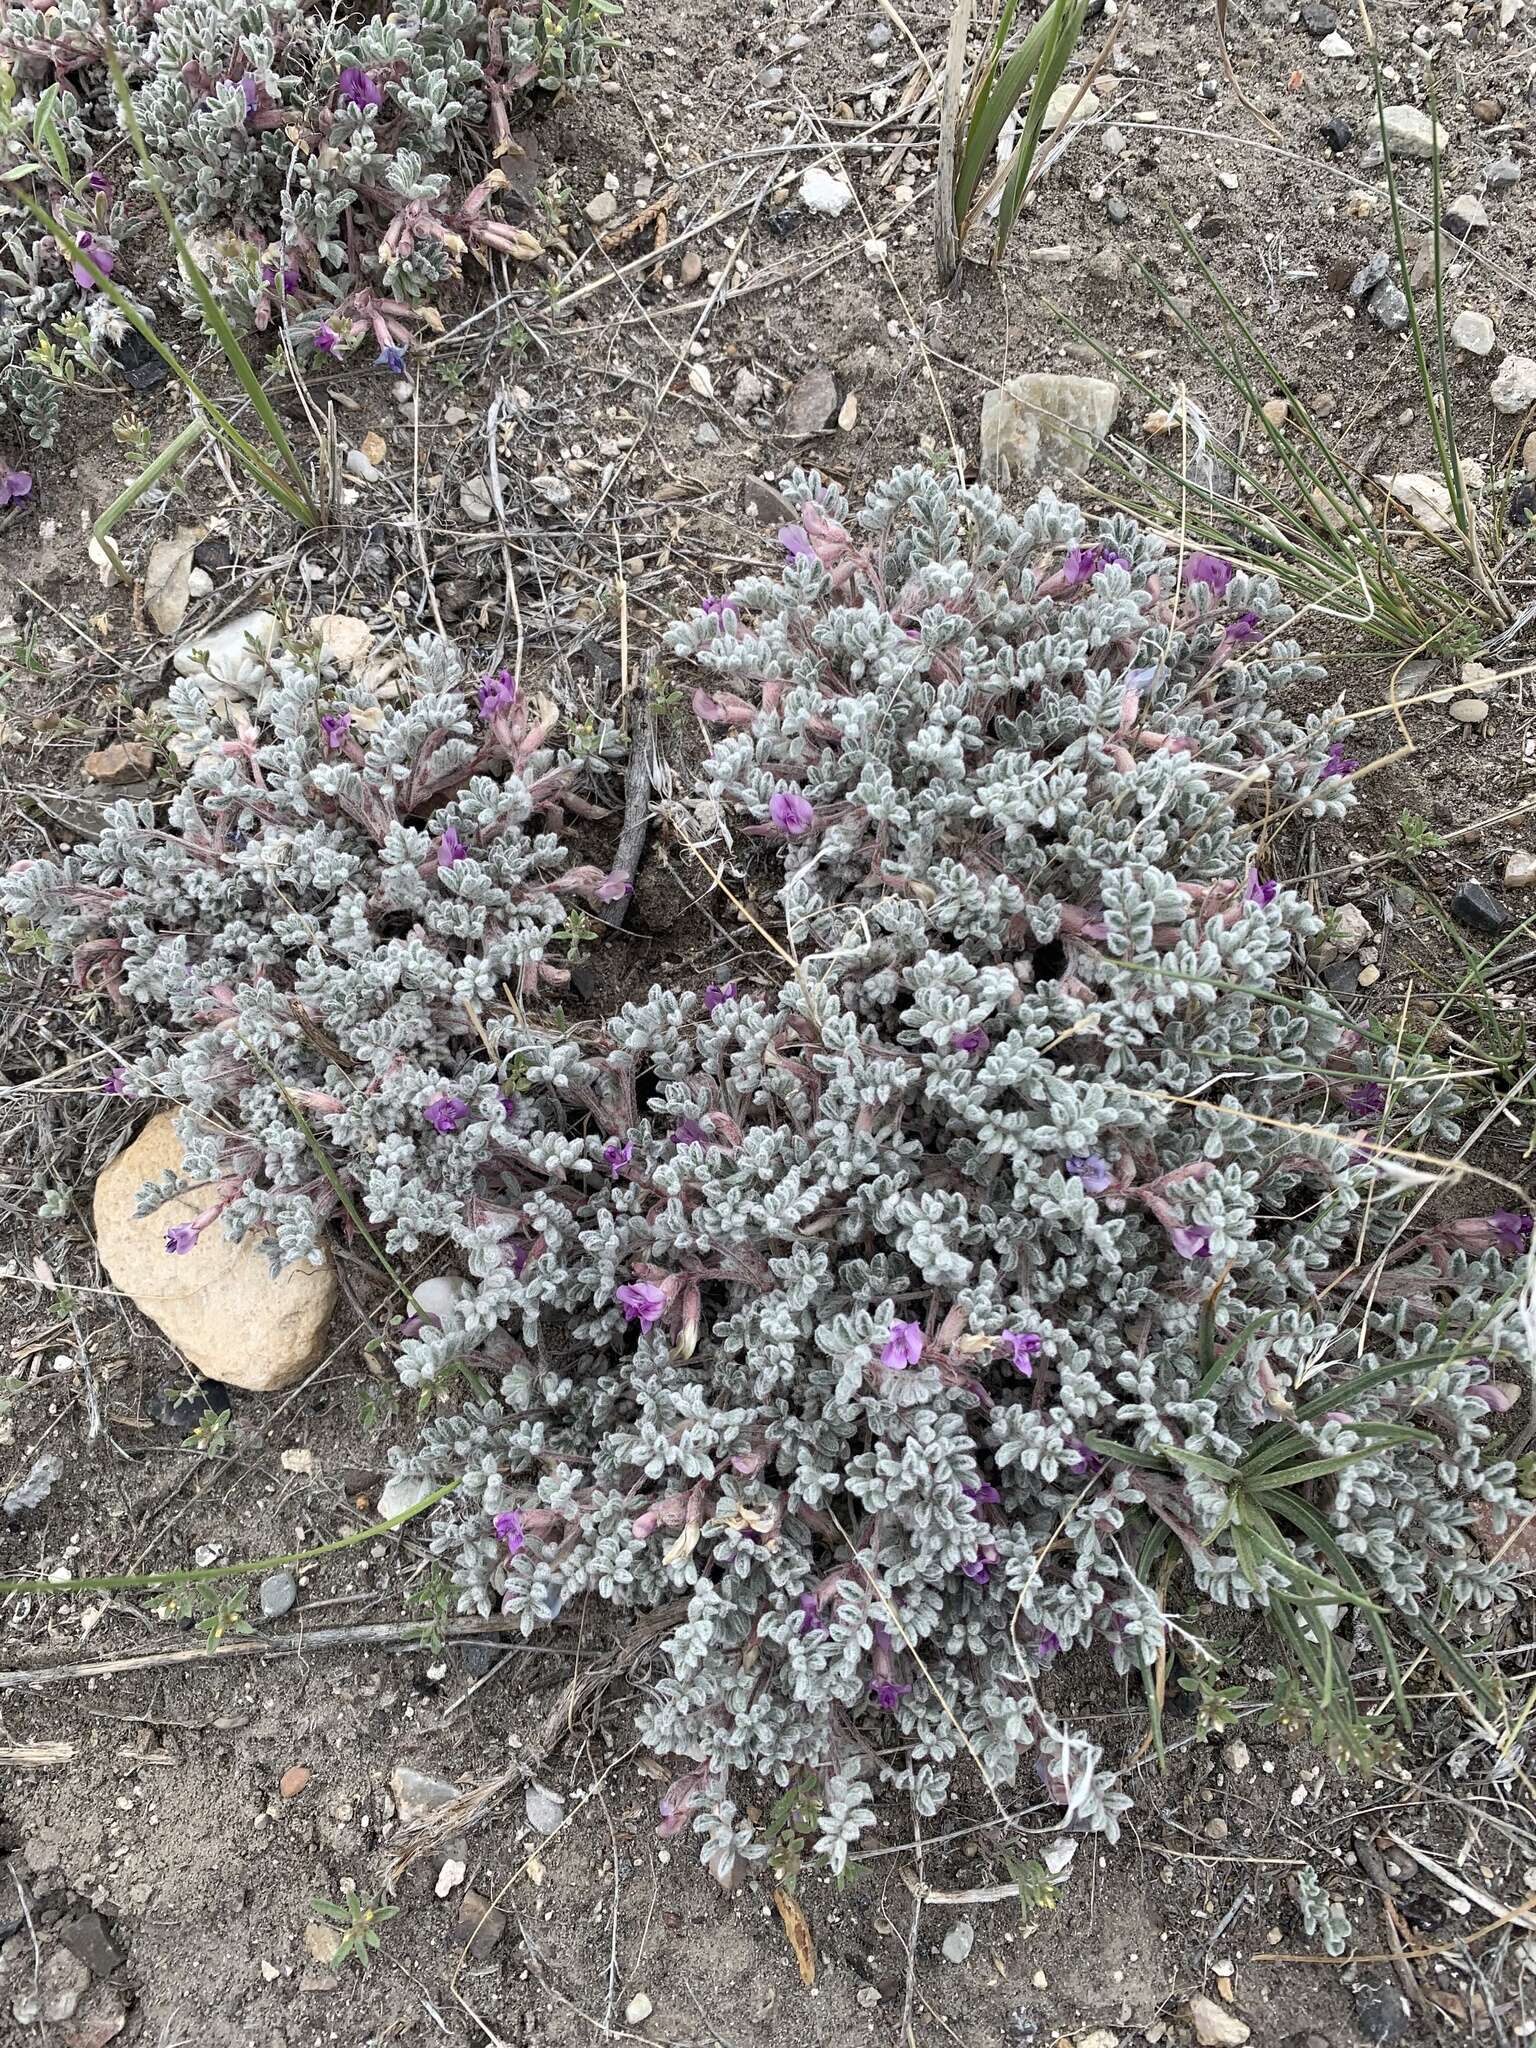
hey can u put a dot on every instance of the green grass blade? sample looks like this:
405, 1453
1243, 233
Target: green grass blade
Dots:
212, 312
124, 502
1066, 18
1311, 1525
197, 1574
993, 109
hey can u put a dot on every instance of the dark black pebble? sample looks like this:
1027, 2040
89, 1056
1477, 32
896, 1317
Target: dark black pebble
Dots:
1381, 2012
1318, 20
1338, 134
1480, 911
140, 368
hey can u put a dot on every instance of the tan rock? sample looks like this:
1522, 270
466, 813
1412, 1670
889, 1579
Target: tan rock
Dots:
1215, 2028
346, 640
218, 1303
1346, 929
322, 1941
124, 761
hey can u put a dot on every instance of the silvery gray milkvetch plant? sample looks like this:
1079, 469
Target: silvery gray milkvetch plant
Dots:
345, 891
319, 160
922, 1288
887, 1312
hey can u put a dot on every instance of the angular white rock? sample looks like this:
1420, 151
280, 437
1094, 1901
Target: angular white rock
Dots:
1044, 420
821, 192
1472, 333
1514, 389
1426, 497
233, 657
1411, 132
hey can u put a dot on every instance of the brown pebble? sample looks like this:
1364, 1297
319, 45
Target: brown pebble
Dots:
691, 268
1276, 410
1487, 111
293, 1780
1520, 871
1369, 976
123, 761
479, 1926
1528, 455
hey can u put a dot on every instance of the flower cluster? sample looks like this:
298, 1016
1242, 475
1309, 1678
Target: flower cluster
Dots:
55, 318
893, 1323
321, 944
314, 159
893, 1314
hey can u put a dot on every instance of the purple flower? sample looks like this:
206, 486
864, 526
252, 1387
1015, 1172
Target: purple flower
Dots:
289, 277
391, 357
450, 848
1210, 570
1365, 1102
718, 993
1025, 1348
616, 1156
972, 1039
98, 182
811, 1623
1498, 1396
15, 484
181, 1237
719, 607
790, 812
691, 1132
446, 1113
325, 338
1190, 1240
903, 1346
116, 1082
613, 888
359, 90
983, 1495
102, 254
1259, 892
976, 1569
496, 694
1083, 564
796, 543
885, 1692
1243, 628
335, 725
1048, 1647
1083, 1461
1511, 1229
509, 1527
1336, 762
1091, 1170
642, 1303
251, 94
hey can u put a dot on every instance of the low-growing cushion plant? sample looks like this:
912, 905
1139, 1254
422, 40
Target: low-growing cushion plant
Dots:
324, 943
1009, 1260
336, 169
